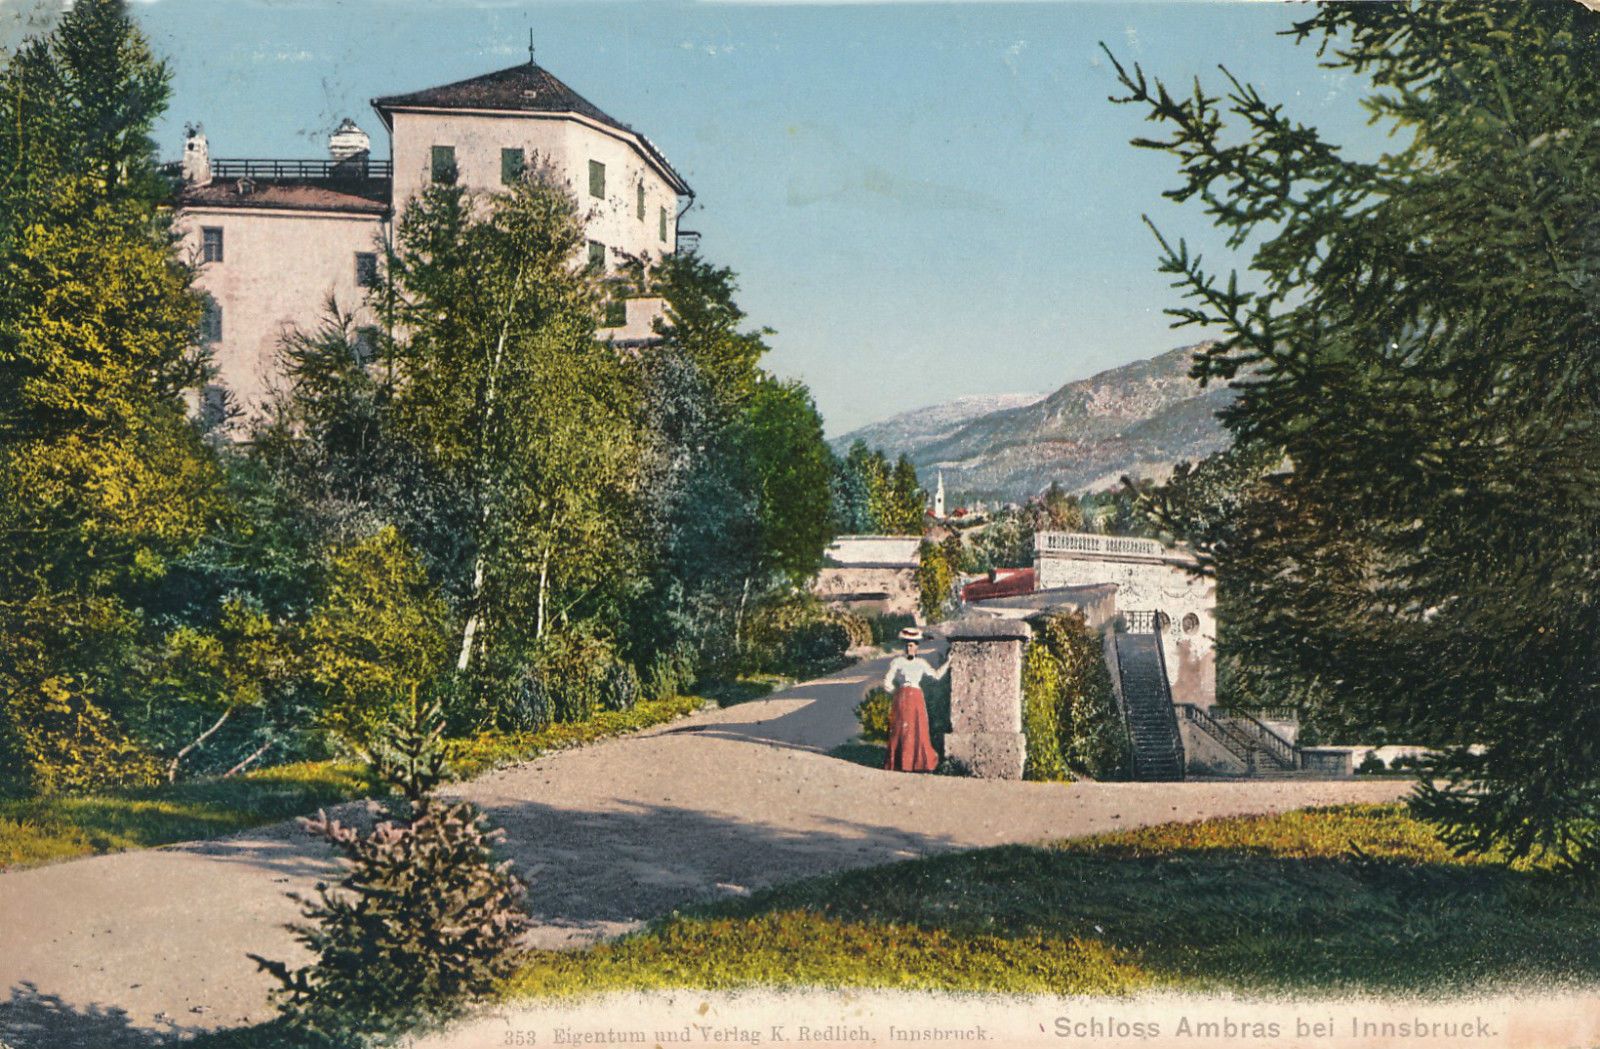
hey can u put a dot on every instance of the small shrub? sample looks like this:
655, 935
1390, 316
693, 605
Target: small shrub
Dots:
873, 713
621, 688
424, 921
1372, 763
661, 680
855, 626
886, 626
565, 680
800, 637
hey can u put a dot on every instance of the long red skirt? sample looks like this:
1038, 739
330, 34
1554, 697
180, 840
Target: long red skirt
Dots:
910, 746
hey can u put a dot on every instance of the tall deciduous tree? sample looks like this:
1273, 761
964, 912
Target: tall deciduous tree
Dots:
102, 482
1418, 345
517, 406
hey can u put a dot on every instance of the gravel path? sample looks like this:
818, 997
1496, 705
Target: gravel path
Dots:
128, 949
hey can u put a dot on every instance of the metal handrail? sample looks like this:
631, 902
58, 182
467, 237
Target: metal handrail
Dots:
1286, 753
1214, 728
300, 170
1172, 713
1242, 734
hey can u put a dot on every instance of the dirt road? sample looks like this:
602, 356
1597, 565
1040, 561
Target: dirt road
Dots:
132, 949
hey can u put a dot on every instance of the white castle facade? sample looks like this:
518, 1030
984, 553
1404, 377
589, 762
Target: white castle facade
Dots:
274, 240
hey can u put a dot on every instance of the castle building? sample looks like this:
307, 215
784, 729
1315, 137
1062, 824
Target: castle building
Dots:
272, 240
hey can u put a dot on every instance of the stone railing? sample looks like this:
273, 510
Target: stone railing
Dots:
1102, 545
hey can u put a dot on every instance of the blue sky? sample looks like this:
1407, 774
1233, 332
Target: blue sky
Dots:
924, 200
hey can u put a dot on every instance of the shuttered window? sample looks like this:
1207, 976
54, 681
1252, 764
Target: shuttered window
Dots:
597, 179
211, 243
641, 202
597, 256
663, 225
442, 167
513, 162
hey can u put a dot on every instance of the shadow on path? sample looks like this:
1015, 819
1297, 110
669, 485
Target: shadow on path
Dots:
30, 1018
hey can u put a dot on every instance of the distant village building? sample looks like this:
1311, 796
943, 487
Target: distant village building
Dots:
273, 240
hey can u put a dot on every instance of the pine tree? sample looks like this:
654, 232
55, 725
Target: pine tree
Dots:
1416, 347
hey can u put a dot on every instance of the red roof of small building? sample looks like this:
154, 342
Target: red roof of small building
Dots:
1002, 582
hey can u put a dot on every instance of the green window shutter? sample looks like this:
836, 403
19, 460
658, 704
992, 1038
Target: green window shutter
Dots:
616, 313
513, 162
597, 179
443, 164
663, 225
641, 202
597, 256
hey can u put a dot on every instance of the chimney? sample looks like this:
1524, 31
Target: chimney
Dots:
349, 143
196, 156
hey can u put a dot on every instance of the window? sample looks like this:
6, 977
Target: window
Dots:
214, 406
616, 313
641, 202
364, 346
663, 225
211, 323
443, 164
513, 162
211, 243
597, 179
367, 269
597, 256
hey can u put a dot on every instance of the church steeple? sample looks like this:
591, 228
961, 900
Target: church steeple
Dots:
938, 498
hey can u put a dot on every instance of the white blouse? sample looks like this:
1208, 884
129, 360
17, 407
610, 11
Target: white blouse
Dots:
903, 671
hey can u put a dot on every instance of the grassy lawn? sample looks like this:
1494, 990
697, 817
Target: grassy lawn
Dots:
1347, 899
43, 830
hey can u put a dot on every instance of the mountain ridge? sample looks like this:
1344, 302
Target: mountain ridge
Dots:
1138, 419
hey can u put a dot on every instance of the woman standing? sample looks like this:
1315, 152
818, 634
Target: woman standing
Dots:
910, 745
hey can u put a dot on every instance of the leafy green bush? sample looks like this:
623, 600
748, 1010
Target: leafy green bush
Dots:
1041, 716
569, 677
886, 626
672, 672
1371, 763
378, 630
620, 690
855, 625
802, 637
873, 713
55, 738
1090, 734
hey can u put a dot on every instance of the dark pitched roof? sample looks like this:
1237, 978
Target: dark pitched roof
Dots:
524, 88
360, 196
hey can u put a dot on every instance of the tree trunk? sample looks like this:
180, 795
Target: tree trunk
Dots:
247, 762
738, 618
471, 629
172, 768
544, 588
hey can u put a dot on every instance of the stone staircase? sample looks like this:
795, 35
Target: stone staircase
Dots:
1147, 703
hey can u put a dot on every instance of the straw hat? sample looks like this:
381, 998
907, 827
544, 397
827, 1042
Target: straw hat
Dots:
911, 633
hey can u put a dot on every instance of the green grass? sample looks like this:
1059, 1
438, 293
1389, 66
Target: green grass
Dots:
1357, 899
43, 830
